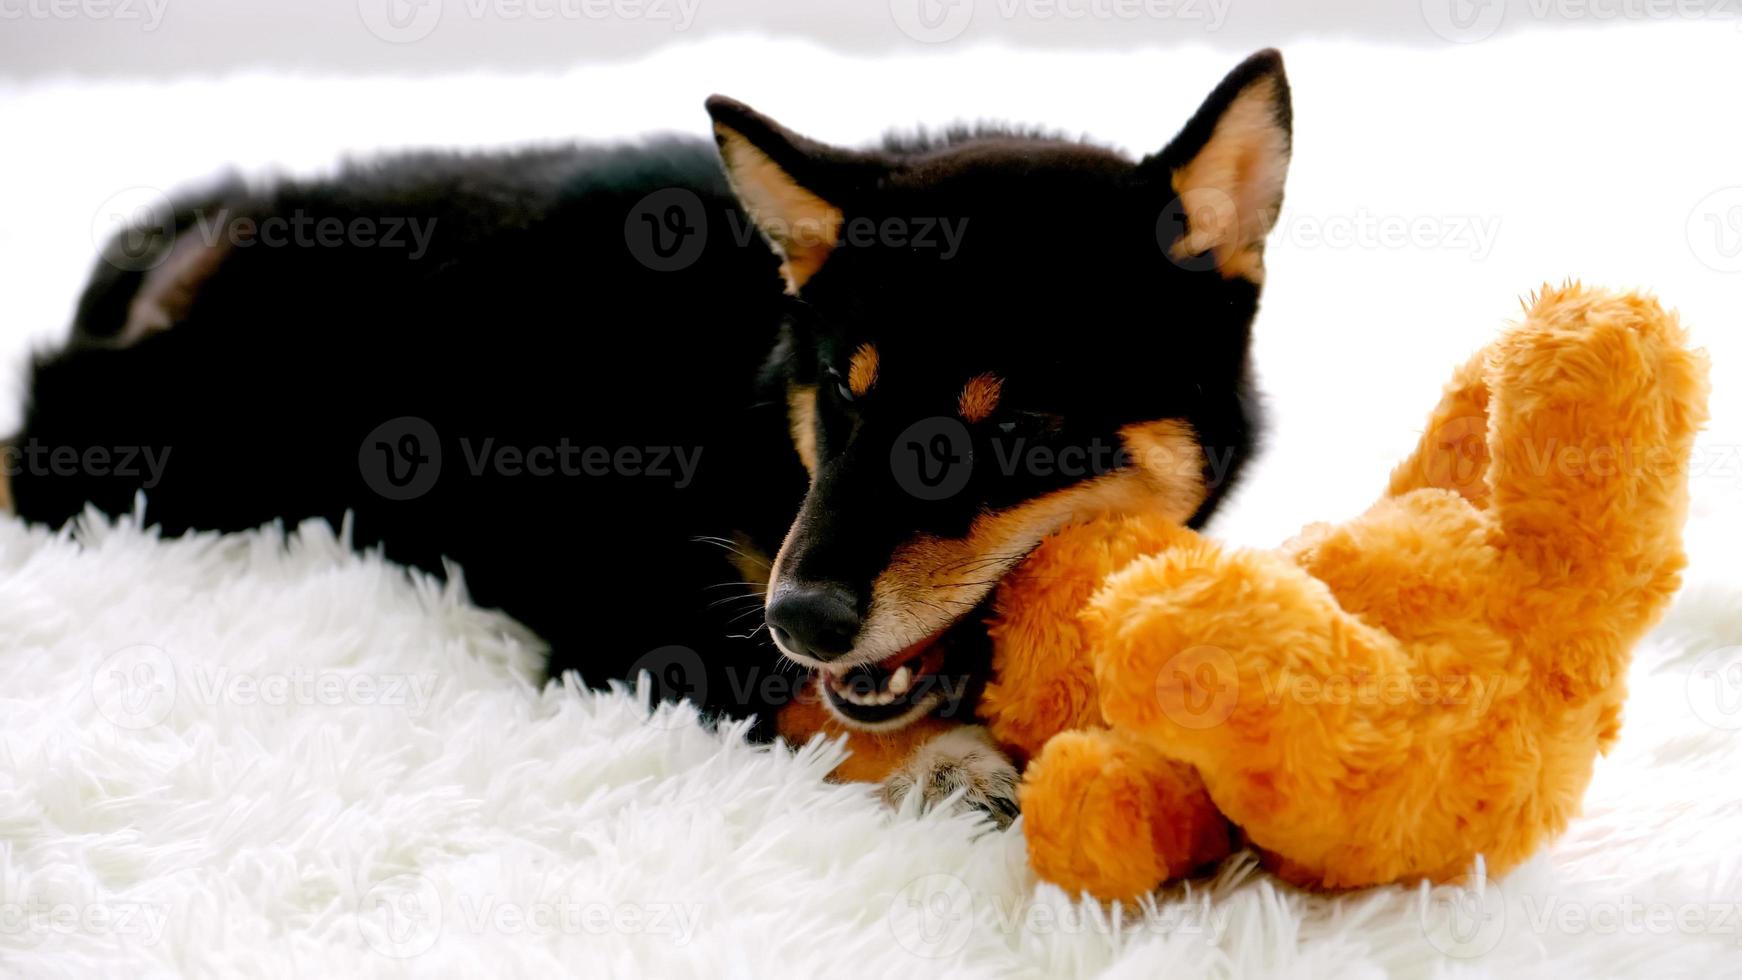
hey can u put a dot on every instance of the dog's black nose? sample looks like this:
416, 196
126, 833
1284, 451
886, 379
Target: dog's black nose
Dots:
817, 621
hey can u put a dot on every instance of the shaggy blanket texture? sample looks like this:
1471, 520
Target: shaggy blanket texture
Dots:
265, 755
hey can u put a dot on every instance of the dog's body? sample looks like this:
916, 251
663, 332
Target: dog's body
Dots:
587, 387
527, 337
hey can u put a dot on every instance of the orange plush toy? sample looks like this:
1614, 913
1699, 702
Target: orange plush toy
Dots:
1380, 700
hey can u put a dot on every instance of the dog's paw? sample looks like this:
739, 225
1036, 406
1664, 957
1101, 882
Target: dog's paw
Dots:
961, 763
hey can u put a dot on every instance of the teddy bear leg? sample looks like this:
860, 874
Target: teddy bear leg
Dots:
1106, 814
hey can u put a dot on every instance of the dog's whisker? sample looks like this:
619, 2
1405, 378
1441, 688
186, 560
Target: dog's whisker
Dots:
739, 583
746, 613
964, 585
736, 598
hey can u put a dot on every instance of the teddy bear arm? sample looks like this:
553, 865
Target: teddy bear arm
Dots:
1453, 451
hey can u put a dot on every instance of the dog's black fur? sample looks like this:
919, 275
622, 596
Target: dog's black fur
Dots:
532, 320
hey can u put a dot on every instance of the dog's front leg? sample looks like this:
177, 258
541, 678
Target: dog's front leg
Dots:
931, 757
961, 765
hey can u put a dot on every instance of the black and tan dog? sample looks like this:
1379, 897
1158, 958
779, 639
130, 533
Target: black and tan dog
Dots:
562, 380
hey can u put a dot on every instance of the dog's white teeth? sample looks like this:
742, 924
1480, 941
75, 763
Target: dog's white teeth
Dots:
852, 693
898, 684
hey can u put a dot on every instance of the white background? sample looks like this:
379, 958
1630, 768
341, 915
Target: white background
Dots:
1444, 167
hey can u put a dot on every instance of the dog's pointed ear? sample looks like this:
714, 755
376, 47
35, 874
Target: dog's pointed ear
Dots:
792, 187
1225, 170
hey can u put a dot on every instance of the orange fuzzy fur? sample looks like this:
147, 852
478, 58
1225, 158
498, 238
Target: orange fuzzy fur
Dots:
1384, 699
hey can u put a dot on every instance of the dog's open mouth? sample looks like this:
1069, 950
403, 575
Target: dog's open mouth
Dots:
893, 688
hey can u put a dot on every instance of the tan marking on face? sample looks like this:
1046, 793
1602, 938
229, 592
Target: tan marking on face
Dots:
862, 370
1230, 191
1167, 451
5, 487
801, 420
801, 226
931, 581
979, 397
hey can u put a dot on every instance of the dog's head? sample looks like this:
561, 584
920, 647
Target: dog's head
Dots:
992, 335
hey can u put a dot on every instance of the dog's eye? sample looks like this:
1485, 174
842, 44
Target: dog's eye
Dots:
843, 392
1027, 423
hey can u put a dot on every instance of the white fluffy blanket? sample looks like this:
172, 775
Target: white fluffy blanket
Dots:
265, 755
270, 756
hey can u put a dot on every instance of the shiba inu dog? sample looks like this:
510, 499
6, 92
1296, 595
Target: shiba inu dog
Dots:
582, 369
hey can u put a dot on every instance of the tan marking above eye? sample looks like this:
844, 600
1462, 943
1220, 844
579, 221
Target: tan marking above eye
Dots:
801, 418
979, 397
862, 370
